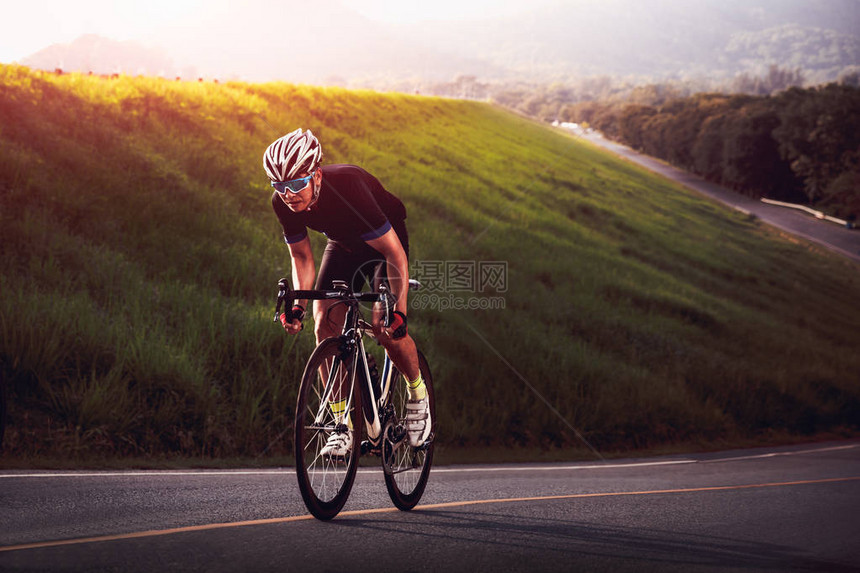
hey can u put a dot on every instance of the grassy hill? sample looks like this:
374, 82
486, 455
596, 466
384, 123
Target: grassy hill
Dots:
139, 258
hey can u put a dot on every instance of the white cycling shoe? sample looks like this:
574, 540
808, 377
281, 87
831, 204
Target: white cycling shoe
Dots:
418, 422
338, 445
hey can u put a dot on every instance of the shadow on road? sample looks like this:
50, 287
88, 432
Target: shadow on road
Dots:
485, 539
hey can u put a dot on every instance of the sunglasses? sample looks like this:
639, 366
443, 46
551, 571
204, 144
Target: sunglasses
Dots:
293, 186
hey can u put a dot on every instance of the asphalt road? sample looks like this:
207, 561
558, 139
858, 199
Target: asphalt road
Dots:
830, 235
784, 509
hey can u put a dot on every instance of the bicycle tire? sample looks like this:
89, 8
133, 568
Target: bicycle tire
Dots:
407, 469
325, 482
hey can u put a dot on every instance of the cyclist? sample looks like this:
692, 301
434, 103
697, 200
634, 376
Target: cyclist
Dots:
367, 242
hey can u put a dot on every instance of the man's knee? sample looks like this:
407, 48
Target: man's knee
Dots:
326, 320
404, 344
321, 332
322, 329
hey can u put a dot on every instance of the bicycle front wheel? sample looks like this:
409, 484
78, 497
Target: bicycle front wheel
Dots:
327, 414
406, 468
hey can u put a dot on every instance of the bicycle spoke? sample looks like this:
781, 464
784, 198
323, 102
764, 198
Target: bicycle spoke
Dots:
324, 479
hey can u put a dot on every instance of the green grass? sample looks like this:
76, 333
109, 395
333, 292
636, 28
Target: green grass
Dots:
140, 257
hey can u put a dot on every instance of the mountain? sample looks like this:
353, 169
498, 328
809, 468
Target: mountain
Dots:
325, 42
660, 38
822, 53
314, 42
92, 53
264, 40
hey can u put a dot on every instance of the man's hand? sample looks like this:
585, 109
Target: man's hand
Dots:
377, 321
292, 321
398, 327
394, 331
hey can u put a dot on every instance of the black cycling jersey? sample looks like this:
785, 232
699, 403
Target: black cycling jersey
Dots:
353, 207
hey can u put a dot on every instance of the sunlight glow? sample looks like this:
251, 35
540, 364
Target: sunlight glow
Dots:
27, 27
399, 12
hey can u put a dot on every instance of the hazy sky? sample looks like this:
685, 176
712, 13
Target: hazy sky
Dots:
28, 26
407, 11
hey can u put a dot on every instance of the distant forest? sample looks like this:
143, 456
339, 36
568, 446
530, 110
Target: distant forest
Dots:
800, 145
762, 136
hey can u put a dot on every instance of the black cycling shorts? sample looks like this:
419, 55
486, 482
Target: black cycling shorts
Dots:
357, 264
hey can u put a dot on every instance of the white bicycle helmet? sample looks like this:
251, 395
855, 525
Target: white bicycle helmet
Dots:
294, 153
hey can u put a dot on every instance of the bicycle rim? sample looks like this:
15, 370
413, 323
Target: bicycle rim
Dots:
325, 481
406, 468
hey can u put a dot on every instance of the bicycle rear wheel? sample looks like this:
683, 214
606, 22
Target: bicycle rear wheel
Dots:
406, 468
325, 480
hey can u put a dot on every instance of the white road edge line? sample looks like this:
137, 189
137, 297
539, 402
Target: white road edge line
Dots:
776, 454
290, 471
152, 473
562, 468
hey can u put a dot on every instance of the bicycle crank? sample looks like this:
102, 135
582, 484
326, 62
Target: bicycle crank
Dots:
394, 437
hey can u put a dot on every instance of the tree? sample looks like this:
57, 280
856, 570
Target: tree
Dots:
751, 158
775, 80
707, 150
819, 134
631, 122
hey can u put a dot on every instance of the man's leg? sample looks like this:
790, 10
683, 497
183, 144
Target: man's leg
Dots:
328, 322
403, 353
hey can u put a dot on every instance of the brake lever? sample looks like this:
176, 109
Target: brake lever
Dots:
283, 289
383, 300
386, 322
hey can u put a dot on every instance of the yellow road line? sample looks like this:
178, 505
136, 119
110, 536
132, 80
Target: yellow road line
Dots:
276, 520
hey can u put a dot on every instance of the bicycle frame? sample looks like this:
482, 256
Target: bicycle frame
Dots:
352, 340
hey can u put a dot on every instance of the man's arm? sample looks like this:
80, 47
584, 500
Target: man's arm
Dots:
303, 273
401, 349
397, 266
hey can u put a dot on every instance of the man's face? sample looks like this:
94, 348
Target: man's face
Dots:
300, 201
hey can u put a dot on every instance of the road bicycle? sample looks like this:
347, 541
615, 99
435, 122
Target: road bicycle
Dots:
339, 371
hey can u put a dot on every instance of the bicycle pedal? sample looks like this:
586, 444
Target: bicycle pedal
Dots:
427, 442
367, 447
337, 460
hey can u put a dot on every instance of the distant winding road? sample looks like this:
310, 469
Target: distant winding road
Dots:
830, 235
781, 509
